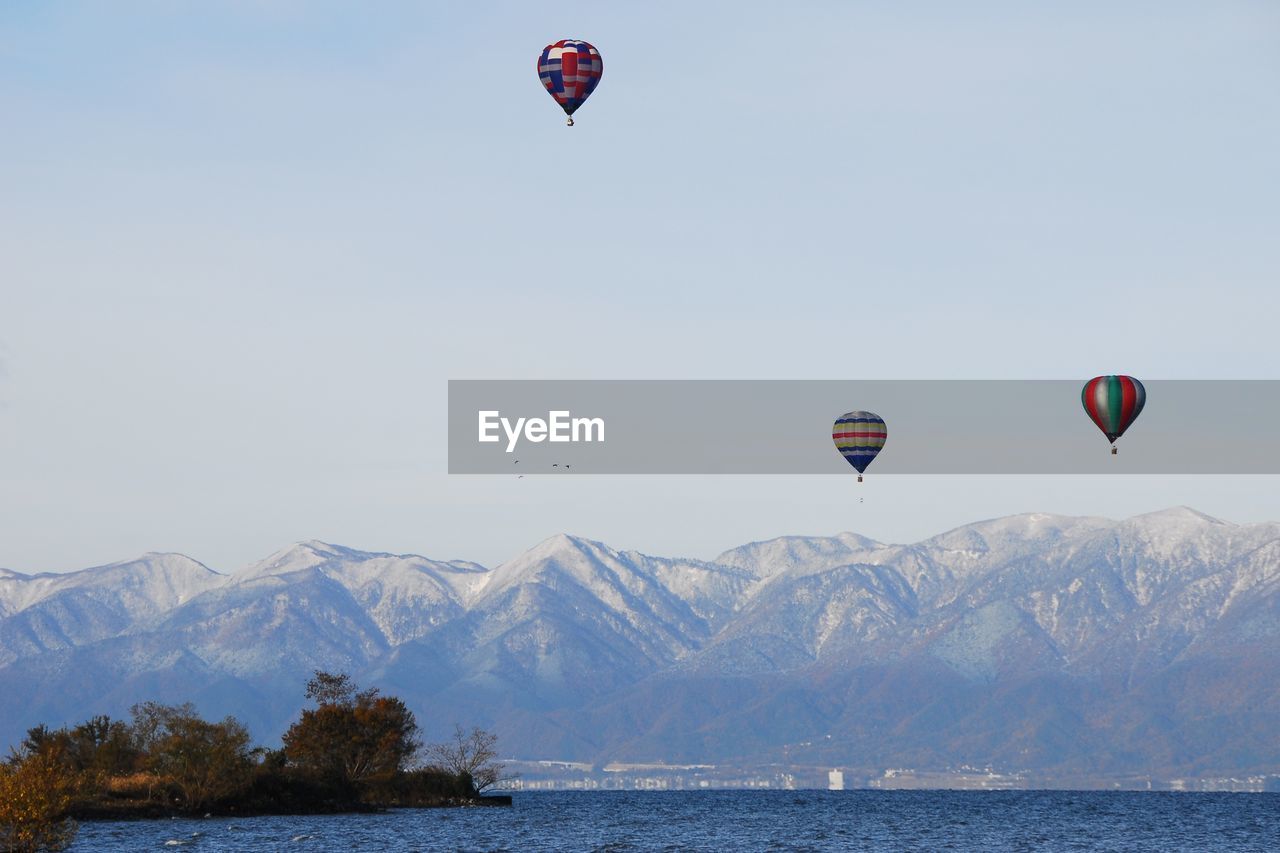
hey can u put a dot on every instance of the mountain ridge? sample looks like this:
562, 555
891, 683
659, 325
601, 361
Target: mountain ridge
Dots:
1085, 634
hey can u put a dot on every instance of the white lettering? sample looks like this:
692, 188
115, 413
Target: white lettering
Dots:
587, 424
513, 435
535, 430
560, 426
486, 424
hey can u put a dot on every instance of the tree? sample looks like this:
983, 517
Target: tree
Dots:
470, 756
350, 737
104, 747
327, 688
94, 751
207, 761
35, 793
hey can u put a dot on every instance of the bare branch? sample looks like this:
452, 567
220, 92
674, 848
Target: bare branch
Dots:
471, 755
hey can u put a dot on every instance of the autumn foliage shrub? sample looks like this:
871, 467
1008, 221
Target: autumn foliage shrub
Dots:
35, 797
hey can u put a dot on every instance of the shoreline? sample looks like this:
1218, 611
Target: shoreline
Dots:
98, 812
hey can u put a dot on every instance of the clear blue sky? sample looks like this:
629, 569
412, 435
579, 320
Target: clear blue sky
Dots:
244, 245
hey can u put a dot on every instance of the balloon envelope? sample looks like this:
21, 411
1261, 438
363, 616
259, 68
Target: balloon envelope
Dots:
570, 70
1113, 402
859, 436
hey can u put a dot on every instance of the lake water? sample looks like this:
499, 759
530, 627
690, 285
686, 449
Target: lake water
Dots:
749, 820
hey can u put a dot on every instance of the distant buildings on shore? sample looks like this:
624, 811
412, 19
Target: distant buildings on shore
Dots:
562, 775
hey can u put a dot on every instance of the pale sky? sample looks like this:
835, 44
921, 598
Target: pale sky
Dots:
244, 245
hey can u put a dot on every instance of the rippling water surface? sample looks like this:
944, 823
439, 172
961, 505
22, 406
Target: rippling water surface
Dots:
749, 820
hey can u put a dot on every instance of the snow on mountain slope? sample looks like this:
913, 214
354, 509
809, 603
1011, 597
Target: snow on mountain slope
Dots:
785, 554
150, 583
1088, 583
572, 615
291, 624
405, 595
629, 583
51, 611
801, 616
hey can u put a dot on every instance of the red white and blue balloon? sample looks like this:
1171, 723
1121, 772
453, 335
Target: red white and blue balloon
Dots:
570, 70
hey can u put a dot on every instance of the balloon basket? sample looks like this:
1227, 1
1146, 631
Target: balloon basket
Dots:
859, 478
570, 121
1113, 451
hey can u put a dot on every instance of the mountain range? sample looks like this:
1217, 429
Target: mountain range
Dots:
1083, 647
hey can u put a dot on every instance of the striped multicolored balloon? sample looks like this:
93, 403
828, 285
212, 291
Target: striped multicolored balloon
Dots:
859, 436
570, 70
1114, 403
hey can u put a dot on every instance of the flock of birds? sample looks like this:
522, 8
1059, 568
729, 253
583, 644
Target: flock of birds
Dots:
566, 466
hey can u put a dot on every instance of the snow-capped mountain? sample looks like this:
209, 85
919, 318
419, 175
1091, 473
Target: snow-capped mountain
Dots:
51, 611
1033, 641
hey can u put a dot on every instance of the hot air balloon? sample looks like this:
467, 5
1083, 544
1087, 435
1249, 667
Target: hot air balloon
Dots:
570, 70
1114, 403
859, 437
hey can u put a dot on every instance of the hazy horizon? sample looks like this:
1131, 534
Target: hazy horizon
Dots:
533, 544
